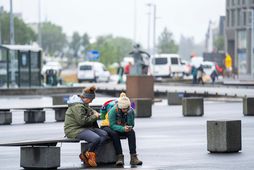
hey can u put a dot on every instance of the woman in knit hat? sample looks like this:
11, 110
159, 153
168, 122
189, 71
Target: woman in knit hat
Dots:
120, 122
81, 123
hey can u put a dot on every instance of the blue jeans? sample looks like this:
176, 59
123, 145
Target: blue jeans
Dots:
95, 136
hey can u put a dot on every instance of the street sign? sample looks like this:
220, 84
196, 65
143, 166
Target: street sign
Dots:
93, 55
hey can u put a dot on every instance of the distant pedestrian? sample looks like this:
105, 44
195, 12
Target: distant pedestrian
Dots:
127, 68
200, 74
81, 123
194, 74
120, 72
228, 65
214, 76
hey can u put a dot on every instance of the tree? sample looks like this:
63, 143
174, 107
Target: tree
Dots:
53, 38
219, 43
166, 43
85, 40
75, 43
188, 47
112, 49
23, 34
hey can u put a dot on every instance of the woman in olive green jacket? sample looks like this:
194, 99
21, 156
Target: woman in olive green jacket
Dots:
81, 123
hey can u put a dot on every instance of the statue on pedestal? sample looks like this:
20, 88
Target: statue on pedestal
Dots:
141, 61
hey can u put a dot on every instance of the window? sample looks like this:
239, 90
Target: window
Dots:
244, 18
238, 17
228, 3
243, 2
174, 60
228, 18
85, 67
233, 18
161, 61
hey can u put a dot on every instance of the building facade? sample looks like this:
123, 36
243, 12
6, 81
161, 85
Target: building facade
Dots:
238, 34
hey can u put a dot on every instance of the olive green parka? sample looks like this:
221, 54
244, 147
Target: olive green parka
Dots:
78, 117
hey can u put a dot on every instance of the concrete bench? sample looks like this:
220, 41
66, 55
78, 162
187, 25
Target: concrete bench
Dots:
193, 106
248, 106
37, 114
39, 153
5, 117
143, 107
224, 136
175, 98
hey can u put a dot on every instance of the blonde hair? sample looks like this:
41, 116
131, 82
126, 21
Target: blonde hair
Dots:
123, 94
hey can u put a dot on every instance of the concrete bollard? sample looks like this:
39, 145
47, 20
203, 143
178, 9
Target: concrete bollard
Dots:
143, 107
175, 98
224, 136
248, 106
60, 114
34, 116
5, 117
104, 154
193, 106
39, 157
60, 100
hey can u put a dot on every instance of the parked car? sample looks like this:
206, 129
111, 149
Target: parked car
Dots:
52, 65
186, 67
92, 71
166, 65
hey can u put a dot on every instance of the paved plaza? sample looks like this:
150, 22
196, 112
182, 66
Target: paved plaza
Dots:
167, 140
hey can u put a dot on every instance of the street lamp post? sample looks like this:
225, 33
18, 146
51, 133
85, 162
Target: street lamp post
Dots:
12, 42
12, 38
1, 11
154, 27
148, 29
252, 42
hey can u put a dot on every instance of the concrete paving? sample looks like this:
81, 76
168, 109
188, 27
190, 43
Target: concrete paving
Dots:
167, 140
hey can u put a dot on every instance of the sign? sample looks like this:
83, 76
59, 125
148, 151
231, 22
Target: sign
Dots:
93, 55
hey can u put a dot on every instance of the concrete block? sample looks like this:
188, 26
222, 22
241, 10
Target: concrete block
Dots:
140, 86
34, 116
5, 117
60, 114
60, 99
224, 136
143, 107
175, 98
248, 106
193, 106
104, 154
39, 157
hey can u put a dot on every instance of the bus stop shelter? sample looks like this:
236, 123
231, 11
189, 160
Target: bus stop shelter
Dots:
20, 66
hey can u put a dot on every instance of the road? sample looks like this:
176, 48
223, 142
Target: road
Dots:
167, 140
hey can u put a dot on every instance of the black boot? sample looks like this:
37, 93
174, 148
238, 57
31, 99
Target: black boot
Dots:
120, 160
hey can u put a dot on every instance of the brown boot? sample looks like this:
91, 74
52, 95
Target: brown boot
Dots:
135, 160
120, 160
83, 158
91, 158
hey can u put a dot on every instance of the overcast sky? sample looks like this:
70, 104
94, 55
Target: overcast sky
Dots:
100, 17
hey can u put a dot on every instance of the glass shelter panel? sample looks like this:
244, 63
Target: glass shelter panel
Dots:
3, 68
35, 69
24, 69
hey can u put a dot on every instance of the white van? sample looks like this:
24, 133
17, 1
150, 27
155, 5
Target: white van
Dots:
92, 71
166, 65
